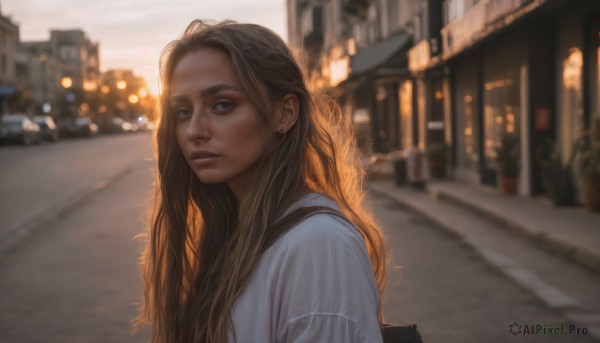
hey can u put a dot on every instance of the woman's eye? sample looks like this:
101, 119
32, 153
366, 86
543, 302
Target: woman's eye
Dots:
182, 113
222, 106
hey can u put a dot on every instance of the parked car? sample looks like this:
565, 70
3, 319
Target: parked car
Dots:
145, 123
79, 127
19, 128
118, 125
48, 128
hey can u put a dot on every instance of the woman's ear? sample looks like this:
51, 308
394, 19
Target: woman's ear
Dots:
287, 112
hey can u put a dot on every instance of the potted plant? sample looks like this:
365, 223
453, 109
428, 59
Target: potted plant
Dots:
436, 158
589, 166
558, 178
507, 160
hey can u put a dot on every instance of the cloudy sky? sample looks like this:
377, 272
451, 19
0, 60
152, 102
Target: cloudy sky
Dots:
132, 33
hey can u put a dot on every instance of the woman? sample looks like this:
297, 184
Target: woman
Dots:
249, 239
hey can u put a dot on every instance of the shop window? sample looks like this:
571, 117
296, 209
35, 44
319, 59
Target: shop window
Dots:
406, 114
468, 107
501, 112
572, 100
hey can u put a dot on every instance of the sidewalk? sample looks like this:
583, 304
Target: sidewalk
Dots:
501, 230
571, 232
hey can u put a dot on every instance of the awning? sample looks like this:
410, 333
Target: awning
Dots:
6, 90
376, 54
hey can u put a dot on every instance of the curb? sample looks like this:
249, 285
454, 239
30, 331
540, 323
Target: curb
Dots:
550, 243
551, 296
28, 226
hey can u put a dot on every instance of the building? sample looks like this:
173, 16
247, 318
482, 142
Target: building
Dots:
79, 57
61, 73
361, 61
465, 73
125, 95
9, 37
527, 68
40, 72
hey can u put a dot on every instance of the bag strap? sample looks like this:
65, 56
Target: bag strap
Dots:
284, 224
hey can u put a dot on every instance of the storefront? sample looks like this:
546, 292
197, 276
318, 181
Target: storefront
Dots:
466, 100
504, 97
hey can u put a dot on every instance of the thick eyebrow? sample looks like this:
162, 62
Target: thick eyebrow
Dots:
212, 90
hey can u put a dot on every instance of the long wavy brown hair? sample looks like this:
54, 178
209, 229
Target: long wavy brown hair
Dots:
203, 244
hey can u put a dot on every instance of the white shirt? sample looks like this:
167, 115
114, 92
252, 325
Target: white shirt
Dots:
314, 284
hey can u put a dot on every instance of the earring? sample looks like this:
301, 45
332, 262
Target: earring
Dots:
283, 132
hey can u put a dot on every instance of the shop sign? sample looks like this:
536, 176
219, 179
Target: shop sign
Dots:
542, 119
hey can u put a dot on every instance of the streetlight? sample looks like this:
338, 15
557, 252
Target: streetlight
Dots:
121, 84
66, 82
133, 99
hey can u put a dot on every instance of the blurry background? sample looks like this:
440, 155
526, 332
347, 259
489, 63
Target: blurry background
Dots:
478, 122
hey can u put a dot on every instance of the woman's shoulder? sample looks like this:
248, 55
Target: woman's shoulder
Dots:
321, 226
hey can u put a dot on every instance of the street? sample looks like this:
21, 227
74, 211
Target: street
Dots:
75, 277
443, 287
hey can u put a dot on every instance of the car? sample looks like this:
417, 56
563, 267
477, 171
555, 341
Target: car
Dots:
79, 127
48, 128
118, 125
20, 129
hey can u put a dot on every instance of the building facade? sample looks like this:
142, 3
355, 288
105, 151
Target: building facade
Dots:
465, 73
9, 38
61, 74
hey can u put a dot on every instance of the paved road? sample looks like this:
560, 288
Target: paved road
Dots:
436, 282
37, 180
76, 279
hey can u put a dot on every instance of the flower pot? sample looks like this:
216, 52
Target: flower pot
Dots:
508, 184
562, 189
437, 169
592, 197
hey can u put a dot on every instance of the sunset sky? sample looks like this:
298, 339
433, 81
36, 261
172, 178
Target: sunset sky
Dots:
132, 33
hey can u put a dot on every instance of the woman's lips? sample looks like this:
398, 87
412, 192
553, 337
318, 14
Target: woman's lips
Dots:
203, 158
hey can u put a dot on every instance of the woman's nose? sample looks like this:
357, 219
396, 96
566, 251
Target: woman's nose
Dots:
198, 128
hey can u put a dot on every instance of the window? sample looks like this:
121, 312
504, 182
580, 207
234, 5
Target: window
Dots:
67, 53
406, 114
501, 110
572, 100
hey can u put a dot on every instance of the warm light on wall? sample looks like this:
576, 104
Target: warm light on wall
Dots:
121, 84
338, 71
66, 82
89, 86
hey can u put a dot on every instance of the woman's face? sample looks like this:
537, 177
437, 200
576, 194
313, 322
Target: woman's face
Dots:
218, 129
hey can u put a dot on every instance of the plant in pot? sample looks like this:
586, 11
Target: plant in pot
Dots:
437, 160
558, 178
589, 165
507, 160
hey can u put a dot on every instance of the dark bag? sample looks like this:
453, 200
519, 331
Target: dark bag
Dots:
400, 334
